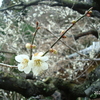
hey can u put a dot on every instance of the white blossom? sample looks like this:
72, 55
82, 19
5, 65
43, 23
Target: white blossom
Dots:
38, 63
23, 66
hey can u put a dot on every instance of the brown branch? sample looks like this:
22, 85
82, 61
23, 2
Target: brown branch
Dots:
6, 65
78, 6
21, 6
2, 51
68, 3
29, 88
93, 32
94, 82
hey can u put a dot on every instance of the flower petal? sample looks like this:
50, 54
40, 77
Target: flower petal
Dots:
27, 69
44, 58
20, 67
40, 54
38, 64
19, 58
31, 63
36, 71
44, 66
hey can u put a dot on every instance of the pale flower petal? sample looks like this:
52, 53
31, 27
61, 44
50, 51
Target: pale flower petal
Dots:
19, 58
27, 69
36, 71
44, 66
40, 53
44, 58
38, 63
23, 66
30, 63
20, 67
36, 57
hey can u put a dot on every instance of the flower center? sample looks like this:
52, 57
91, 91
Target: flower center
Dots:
37, 62
25, 63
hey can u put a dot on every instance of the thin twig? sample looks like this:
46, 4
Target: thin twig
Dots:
95, 59
87, 67
66, 44
84, 71
2, 51
6, 65
67, 30
32, 42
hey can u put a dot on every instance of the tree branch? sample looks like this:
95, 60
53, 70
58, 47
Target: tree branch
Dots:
25, 87
2, 51
93, 90
21, 6
93, 32
78, 6
29, 88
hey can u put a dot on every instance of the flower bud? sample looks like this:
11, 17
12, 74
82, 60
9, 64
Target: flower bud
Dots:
37, 23
38, 28
88, 15
29, 46
73, 22
33, 46
53, 51
89, 12
62, 32
63, 36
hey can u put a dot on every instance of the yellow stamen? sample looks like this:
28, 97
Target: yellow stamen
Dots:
37, 62
25, 63
35, 54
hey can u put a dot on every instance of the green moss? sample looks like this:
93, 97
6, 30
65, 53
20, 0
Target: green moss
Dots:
93, 96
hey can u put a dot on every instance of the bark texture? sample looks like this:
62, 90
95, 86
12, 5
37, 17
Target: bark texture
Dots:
68, 89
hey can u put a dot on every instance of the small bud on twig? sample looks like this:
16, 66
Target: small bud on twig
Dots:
37, 24
73, 22
29, 46
63, 36
88, 13
38, 28
62, 32
53, 51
